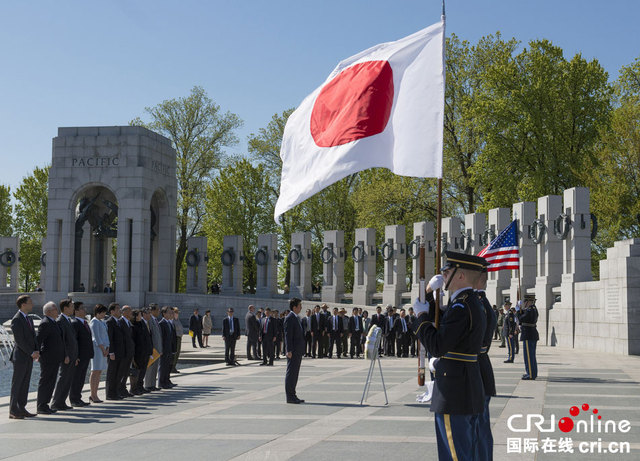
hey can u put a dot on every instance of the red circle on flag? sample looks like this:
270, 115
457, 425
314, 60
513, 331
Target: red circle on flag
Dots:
356, 104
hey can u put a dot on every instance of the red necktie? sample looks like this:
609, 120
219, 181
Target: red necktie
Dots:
86, 325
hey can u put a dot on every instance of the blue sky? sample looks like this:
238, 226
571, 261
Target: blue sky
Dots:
85, 63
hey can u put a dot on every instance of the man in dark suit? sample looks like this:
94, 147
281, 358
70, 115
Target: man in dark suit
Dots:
267, 337
306, 328
335, 333
316, 343
390, 332
252, 329
70, 362
325, 330
402, 334
143, 350
230, 334
85, 354
117, 351
411, 319
129, 351
169, 339
24, 353
51, 347
355, 333
195, 325
294, 345
378, 319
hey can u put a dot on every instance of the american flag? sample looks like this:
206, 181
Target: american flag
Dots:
502, 253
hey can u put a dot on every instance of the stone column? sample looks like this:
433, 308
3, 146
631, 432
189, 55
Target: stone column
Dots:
475, 225
232, 265
395, 264
525, 214
132, 271
423, 229
10, 273
85, 262
333, 256
267, 265
576, 247
364, 259
549, 261
499, 219
451, 236
300, 263
196, 259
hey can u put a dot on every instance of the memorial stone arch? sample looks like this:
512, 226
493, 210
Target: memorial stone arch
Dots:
111, 213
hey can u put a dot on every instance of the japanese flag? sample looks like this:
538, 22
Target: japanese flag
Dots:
383, 107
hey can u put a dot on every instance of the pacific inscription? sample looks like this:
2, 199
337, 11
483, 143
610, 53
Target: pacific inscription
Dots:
99, 162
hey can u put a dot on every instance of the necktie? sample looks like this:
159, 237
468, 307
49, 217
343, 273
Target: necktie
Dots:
334, 322
357, 324
86, 325
266, 322
230, 325
404, 326
28, 322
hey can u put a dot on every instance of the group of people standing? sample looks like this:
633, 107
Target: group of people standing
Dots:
137, 346
520, 321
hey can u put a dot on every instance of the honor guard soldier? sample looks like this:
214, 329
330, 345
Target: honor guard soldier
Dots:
509, 331
458, 394
528, 317
485, 438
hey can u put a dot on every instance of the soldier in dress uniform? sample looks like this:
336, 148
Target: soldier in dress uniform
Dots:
509, 331
458, 394
528, 317
485, 438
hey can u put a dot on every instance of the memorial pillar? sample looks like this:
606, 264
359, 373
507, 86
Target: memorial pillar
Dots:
475, 225
424, 230
524, 213
267, 265
364, 260
333, 256
300, 263
196, 259
395, 264
232, 258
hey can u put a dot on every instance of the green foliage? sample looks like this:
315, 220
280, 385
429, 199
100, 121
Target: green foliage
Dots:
542, 118
6, 217
31, 201
238, 202
199, 132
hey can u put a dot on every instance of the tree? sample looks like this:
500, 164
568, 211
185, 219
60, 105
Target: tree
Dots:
199, 131
5, 210
542, 121
615, 175
466, 68
238, 202
31, 201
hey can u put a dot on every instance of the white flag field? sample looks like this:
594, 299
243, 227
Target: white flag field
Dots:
383, 107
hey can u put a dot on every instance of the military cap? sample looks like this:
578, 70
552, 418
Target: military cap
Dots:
529, 297
464, 261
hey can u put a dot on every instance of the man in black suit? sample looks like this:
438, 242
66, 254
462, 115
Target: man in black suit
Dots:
316, 343
70, 362
169, 339
325, 330
306, 328
230, 334
390, 332
117, 351
402, 334
129, 351
355, 333
51, 347
267, 338
85, 354
143, 350
411, 319
294, 345
195, 325
24, 353
252, 329
335, 333
377, 319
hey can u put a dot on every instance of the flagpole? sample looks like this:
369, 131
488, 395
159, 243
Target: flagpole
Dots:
439, 210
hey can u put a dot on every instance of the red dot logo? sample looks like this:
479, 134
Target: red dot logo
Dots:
595, 411
356, 104
573, 411
585, 406
565, 424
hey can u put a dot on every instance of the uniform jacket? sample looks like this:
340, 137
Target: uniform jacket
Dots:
486, 369
527, 318
458, 385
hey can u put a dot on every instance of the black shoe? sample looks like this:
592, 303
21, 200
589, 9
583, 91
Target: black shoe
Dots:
147, 390
15, 416
271, 364
46, 411
502, 346
526, 377
262, 364
114, 397
65, 408
508, 361
294, 401
155, 388
27, 414
79, 403
300, 400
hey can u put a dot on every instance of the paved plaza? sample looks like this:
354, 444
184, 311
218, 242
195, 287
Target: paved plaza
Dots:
224, 413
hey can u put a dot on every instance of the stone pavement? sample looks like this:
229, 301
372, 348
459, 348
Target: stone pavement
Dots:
224, 413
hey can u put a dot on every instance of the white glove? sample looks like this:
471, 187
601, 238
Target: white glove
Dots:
436, 282
419, 307
432, 364
518, 306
